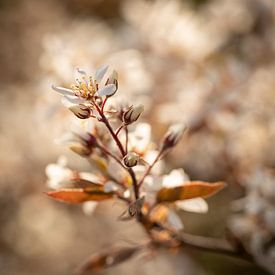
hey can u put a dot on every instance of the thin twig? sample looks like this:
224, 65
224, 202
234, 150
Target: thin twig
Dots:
121, 149
150, 167
107, 152
126, 138
103, 104
119, 129
213, 245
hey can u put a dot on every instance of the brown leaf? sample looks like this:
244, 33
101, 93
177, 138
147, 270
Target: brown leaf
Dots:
79, 195
189, 190
108, 259
82, 183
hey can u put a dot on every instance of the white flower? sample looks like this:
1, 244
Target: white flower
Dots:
85, 89
58, 174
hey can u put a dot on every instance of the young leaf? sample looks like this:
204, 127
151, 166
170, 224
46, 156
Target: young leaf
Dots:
99, 262
79, 195
189, 190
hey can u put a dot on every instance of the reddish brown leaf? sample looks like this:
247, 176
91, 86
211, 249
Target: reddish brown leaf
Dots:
189, 190
108, 259
79, 195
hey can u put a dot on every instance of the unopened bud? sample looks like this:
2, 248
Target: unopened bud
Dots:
112, 79
90, 140
132, 114
172, 137
131, 159
81, 111
81, 150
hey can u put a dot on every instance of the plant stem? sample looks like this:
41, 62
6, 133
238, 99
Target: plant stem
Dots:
150, 167
126, 139
119, 129
121, 149
107, 152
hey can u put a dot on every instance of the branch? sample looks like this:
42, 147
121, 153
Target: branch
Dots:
213, 245
121, 149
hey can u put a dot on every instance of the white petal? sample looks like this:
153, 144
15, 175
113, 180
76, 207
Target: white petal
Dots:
89, 207
62, 161
90, 177
174, 220
175, 178
197, 205
72, 100
127, 193
63, 91
107, 90
57, 175
67, 138
110, 186
100, 72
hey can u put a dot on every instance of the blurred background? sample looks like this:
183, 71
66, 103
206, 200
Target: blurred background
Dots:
210, 63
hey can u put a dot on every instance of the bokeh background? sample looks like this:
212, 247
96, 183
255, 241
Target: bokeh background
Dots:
207, 62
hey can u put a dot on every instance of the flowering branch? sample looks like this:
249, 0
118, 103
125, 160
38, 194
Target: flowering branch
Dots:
148, 197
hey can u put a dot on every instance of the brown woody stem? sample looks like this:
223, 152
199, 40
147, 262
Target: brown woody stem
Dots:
120, 147
213, 245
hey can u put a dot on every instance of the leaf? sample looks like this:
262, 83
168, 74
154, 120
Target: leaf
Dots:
79, 195
104, 260
190, 190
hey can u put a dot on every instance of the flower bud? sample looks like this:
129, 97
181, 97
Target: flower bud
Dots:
81, 111
132, 114
172, 137
80, 149
112, 79
131, 159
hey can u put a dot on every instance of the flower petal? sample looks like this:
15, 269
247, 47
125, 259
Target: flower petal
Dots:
72, 100
100, 72
174, 220
89, 207
107, 90
63, 91
175, 178
197, 205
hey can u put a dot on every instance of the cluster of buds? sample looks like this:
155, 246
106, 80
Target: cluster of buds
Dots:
125, 166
